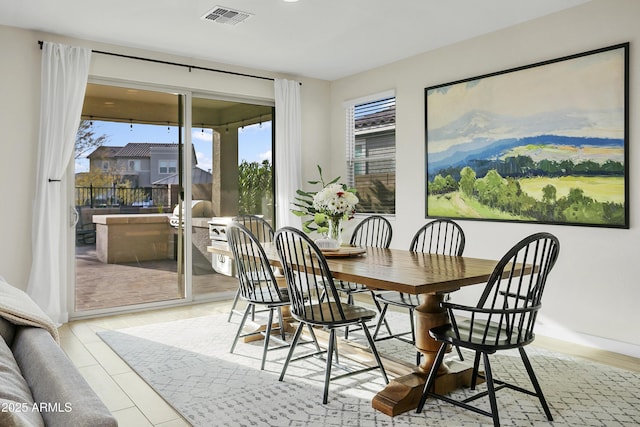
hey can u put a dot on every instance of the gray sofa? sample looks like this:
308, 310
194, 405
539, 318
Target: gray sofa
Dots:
39, 386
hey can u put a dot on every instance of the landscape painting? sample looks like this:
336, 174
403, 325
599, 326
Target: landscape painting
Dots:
544, 143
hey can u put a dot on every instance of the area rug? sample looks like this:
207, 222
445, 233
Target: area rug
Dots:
188, 363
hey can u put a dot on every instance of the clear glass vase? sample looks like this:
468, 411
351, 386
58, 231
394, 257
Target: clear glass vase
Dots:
335, 230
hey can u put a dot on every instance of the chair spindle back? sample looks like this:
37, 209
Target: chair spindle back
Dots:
259, 227
374, 231
312, 291
255, 276
506, 313
441, 236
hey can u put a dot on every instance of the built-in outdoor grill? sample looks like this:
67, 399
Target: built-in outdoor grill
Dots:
203, 262
218, 233
199, 209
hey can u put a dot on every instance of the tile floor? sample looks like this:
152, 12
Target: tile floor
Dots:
128, 397
135, 404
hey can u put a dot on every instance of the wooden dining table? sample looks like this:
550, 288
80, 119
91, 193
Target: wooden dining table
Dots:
431, 276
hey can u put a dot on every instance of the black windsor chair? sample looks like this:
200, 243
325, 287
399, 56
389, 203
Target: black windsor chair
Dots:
315, 301
504, 318
441, 236
251, 263
263, 231
374, 231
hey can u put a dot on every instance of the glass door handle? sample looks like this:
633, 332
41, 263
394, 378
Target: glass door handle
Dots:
75, 217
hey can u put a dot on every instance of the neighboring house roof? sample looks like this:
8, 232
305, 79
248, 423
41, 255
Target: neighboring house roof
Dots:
378, 119
104, 152
141, 149
131, 150
198, 176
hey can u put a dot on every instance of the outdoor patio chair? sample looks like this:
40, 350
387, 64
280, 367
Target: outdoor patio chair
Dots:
85, 230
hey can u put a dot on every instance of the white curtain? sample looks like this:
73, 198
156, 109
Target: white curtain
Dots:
288, 149
63, 82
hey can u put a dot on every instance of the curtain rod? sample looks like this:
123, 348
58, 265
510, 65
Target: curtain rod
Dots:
177, 64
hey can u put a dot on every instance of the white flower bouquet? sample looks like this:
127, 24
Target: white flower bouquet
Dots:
332, 203
335, 200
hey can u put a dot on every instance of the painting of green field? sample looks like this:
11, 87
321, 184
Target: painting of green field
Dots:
457, 205
601, 189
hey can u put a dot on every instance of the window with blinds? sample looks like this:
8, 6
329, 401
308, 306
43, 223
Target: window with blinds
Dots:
371, 154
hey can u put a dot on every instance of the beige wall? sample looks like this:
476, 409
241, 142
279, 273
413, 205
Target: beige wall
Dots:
594, 290
19, 116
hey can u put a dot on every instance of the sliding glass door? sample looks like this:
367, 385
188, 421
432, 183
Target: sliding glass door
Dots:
158, 176
128, 171
231, 174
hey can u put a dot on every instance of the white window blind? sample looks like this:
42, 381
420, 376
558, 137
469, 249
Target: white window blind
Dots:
371, 153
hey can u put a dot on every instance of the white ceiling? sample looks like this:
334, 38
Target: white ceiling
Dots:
325, 39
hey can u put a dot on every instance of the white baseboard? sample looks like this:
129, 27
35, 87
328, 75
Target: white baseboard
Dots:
586, 340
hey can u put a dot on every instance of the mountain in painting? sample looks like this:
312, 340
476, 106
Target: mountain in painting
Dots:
491, 137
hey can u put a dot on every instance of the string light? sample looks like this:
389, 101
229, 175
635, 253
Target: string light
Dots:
130, 125
243, 122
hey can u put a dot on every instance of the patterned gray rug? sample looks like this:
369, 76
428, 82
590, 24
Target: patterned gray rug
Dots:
188, 363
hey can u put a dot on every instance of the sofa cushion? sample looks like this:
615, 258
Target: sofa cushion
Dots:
17, 407
7, 331
56, 383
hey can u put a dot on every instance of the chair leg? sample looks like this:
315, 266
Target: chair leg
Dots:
294, 341
413, 328
346, 329
536, 385
413, 336
313, 337
460, 353
281, 323
266, 339
491, 389
327, 370
335, 350
233, 305
244, 319
377, 303
380, 320
431, 379
476, 368
374, 351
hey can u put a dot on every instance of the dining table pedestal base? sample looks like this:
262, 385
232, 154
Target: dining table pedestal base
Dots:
256, 328
402, 394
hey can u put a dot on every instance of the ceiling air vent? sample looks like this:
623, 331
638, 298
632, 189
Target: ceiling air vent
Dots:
225, 15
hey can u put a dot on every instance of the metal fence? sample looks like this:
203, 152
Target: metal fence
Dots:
96, 197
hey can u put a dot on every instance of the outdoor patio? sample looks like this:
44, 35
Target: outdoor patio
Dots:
100, 285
